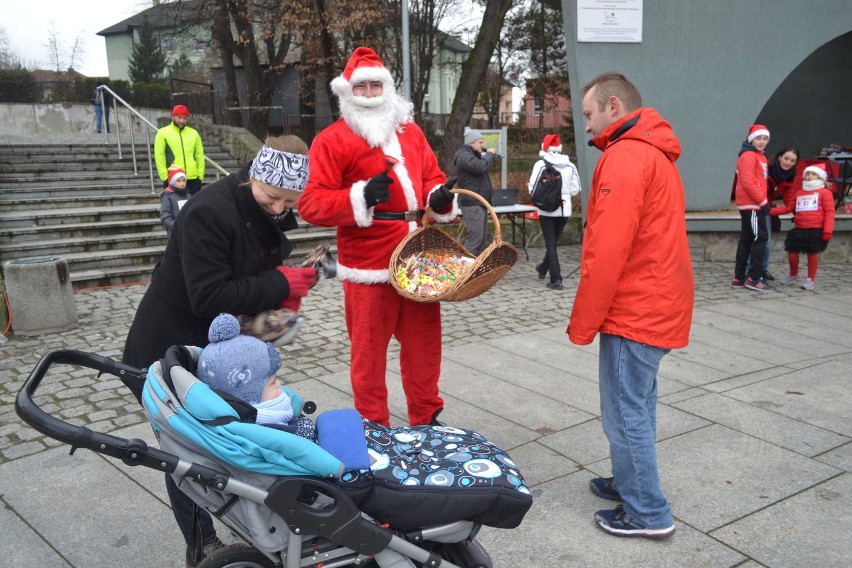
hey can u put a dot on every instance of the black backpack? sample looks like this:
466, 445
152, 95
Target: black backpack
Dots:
547, 191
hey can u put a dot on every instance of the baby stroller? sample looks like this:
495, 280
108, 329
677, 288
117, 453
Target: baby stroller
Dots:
285, 497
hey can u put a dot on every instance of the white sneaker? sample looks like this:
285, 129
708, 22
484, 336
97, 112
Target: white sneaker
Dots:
808, 284
789, 279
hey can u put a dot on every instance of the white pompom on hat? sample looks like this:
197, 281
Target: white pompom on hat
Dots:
757, 130
236, 364
364, 65
817, 169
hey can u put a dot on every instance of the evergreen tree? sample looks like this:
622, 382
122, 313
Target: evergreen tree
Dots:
148, 60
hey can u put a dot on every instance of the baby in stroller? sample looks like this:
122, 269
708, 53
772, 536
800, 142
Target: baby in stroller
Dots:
343, 486
244, 368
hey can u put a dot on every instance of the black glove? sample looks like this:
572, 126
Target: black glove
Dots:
766, 209
451, 182
376, 190
442, 197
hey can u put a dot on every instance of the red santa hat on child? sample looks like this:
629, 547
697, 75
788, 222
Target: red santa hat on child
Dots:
364, 65
551, 143
175, 173
818, 169
757, 130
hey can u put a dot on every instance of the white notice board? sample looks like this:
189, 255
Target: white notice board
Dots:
609, 21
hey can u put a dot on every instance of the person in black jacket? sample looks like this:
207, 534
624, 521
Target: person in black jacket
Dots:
224, 255
472, 165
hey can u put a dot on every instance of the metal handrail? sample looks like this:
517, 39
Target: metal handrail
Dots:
116, 98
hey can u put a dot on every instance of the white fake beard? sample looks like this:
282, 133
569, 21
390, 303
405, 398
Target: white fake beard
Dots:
375, 119
813, 184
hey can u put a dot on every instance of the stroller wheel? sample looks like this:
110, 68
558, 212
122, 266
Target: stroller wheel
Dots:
237, 556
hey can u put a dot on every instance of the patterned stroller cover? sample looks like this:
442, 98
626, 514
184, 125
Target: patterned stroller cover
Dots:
410, 477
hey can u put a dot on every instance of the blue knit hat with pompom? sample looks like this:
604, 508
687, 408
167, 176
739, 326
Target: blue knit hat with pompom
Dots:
236, 364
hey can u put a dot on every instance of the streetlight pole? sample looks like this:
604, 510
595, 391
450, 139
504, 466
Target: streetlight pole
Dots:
406, 55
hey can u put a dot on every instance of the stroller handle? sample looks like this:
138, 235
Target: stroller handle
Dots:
131, 452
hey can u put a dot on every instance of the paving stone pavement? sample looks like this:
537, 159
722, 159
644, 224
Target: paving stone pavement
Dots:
755, 424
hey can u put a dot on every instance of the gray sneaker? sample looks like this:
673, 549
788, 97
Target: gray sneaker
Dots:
808, 284
789, 279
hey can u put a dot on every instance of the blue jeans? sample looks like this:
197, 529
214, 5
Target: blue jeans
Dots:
628, 388
99, 112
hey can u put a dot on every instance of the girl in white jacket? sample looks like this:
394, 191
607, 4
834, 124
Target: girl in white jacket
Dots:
553, 222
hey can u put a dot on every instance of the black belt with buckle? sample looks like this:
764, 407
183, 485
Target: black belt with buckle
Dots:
403, 216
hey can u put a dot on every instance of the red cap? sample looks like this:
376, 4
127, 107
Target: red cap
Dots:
551, 141
757, 130
180, 110
818, 169
175, 173
361, 57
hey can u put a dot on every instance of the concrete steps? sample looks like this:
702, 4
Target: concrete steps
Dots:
35, 234
104, 198
78, 215
58, 187
83, 203
84, 244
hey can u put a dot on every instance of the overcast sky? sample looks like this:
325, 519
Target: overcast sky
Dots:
28, 22
27, 26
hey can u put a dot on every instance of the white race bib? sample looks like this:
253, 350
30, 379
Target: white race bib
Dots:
807, 202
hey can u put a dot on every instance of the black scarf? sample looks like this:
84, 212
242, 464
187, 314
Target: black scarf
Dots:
779, 174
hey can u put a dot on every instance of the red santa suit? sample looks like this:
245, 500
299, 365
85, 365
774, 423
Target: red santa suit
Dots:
368, 140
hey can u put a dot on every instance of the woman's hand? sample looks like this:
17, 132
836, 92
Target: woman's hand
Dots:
301, 280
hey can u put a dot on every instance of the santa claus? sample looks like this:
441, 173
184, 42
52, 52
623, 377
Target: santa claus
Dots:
372, 175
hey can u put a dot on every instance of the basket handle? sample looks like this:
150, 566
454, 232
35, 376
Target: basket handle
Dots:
498, 232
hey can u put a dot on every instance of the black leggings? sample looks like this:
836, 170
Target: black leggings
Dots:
551, 228
752, 244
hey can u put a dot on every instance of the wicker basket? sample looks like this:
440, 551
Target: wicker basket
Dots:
486, 270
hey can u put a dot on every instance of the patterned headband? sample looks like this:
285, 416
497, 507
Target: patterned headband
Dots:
280, 169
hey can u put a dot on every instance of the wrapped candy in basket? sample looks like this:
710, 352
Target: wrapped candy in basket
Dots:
431, 266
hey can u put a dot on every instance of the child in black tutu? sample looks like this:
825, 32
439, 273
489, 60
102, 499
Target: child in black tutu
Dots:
813, 216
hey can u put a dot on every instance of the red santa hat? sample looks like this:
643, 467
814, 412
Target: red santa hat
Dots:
757, 130
175, 173
551, 143
363, 65
818, 169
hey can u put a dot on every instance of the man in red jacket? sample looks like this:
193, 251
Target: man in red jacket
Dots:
636, 290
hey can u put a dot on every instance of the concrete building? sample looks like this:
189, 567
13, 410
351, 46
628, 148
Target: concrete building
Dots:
713, 68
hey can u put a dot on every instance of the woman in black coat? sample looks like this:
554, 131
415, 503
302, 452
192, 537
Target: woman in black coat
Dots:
224, 255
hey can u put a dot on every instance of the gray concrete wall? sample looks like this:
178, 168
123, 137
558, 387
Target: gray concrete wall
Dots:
27, 119
711, 67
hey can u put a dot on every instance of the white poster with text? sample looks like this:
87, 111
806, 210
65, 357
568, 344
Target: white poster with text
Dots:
609, 21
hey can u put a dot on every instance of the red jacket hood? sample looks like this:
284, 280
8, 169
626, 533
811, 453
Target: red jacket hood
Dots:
645, 125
